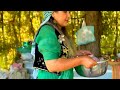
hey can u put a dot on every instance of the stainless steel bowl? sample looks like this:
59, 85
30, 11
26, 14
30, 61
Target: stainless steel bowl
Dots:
95, 71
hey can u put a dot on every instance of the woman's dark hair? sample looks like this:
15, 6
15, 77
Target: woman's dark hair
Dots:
51, 19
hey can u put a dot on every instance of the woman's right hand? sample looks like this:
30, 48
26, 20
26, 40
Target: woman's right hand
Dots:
87, 61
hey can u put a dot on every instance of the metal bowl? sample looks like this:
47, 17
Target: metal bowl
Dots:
95, 71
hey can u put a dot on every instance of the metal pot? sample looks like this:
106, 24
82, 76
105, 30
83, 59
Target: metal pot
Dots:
95, 71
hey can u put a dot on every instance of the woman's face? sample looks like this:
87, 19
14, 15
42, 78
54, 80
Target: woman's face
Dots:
61, 17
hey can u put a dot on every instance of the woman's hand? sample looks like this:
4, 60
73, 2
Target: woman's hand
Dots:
87, 61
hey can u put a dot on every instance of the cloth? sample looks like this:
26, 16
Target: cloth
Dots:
50, 48
47, 15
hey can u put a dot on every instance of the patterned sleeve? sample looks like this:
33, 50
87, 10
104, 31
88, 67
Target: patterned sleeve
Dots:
48, 44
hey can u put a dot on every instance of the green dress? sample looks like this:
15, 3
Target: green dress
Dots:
50, 48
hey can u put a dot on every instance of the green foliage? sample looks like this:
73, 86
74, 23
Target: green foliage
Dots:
15, 28
110, 22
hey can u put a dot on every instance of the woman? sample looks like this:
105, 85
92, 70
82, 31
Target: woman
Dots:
54, 56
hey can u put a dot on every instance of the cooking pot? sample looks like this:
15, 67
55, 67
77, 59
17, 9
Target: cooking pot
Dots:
95, 71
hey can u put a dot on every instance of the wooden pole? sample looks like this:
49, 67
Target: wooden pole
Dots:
115, 69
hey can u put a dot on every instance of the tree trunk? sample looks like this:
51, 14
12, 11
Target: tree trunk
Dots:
93, 18
116, 37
